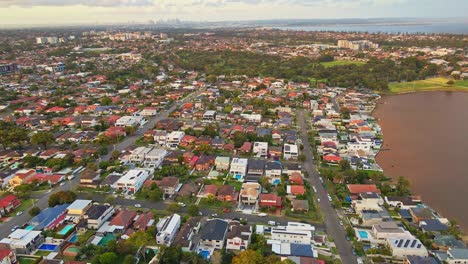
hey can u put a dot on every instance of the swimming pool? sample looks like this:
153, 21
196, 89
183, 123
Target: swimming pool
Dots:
65, 230
73, 238
48, 247
30, 227
106, 239
363, 234
205, 254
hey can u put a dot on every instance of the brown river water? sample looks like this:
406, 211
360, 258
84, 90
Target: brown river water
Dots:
426, 135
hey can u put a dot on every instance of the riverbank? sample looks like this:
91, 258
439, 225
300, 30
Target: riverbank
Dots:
442, 84
425, 138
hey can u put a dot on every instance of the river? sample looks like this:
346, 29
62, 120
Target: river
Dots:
426, 135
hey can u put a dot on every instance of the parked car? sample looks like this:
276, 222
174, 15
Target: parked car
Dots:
137, 205
19, 213
273, 223
214, 215
181, 204
226, 210
262, 214
14, 228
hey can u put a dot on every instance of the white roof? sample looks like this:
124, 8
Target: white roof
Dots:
79, 205
21, 237
239, 161
134, 176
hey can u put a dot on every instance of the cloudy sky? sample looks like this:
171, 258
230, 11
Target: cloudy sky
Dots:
30, 12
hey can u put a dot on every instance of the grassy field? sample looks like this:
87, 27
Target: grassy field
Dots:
431, 84
24, 206
339, 63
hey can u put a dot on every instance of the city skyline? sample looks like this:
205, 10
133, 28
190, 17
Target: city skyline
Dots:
53, 12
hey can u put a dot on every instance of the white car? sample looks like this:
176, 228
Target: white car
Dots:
341, 222
19, 213
272, 223
181, 204
137, 205
262, 214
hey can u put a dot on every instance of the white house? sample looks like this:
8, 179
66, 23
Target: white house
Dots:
406, 247
290, 151
209, 116
260, 149
254, 118
155, 157
131, 121
138, 155
238, 168
174, 138
132, 181
385, 230
457, 255
167, 229
148, 111
283, 234
238, 236
97, 214
273, 172
23, 241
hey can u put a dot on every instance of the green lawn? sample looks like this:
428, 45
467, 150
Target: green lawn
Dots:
24, 206
26, 260
431, 84
42, 253
341, 62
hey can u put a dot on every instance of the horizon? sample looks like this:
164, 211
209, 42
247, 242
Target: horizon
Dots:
24, 13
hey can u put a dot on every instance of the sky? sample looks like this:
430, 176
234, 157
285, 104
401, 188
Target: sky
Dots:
58, 12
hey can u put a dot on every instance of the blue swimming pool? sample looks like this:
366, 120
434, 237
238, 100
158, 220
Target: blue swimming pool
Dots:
29, 227
48, 247
65, 229
205, 254
363, 234
73, 238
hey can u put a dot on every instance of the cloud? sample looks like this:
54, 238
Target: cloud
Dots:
97, 3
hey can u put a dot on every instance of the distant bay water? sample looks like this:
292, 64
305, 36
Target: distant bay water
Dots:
429, 27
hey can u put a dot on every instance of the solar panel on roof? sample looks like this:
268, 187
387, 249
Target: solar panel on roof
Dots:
407, 242
419, 246
413, 244
399, 243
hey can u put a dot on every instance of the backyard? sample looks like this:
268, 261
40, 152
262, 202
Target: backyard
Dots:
431, 84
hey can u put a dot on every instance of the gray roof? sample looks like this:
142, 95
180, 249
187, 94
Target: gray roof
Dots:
214, 230
458, 253
421, 260
273, 165
448, 241
433, 225
301, 250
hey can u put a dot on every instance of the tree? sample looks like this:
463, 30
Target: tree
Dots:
402, 187
169, 255
129, 259
34, 211
344, 165
108, 258
42, 138
61, 197
173, 207
249, 257
193, 210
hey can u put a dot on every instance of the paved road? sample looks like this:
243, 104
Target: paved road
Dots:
334, 229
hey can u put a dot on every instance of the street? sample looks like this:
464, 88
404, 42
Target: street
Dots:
334, 229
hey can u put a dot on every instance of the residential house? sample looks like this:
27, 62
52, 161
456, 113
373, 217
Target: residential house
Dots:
295, 190
227, 193
457, 255
255, 170
49, 218
122, 221
174, 138
238, 236
384, 230
97, 214
249, 193
7, 256
23, 241
204, 163
132, 181
238, 168
290, 152
77, 209
154, 158
273, 171
403, 247
184, 237
89, 178
213, 235
167, 229
260, 149
8, 204
420, 214
222, 163
168, 185
299, 205
270, 200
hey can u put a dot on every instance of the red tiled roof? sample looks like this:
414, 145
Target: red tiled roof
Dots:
359, 188
270, 199
7, 200
297, 189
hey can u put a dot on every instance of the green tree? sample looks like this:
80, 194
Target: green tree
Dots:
249, 257
173, 207
61, 197
193, 210
42, 138
108, 258
34, 211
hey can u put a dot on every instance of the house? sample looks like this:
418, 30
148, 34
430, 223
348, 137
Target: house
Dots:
204, 163
132, 181
138, 155
419, 214
372, 217
97, 214
420, 260
168, 185
290, 152
238, 168
183, 238
356, 189
21, 176
154, 157
294, 190
403, 247
134, 121
255, 170
294, 232
246, 147
77, 209
296, 178
122, 220
260, 149
23, 241
249, 193
209, 116
209, 190
149, 111
49, 218
143, 221
7, 256
299, 205
269, 200
457, 255
8, 204
89, 178
174, 138
402, 202
444, 242
115, 132
384, 230
227, 193
273, 171
433, 225
213, 235
368, 201
222, 163
238, 236
167, 229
